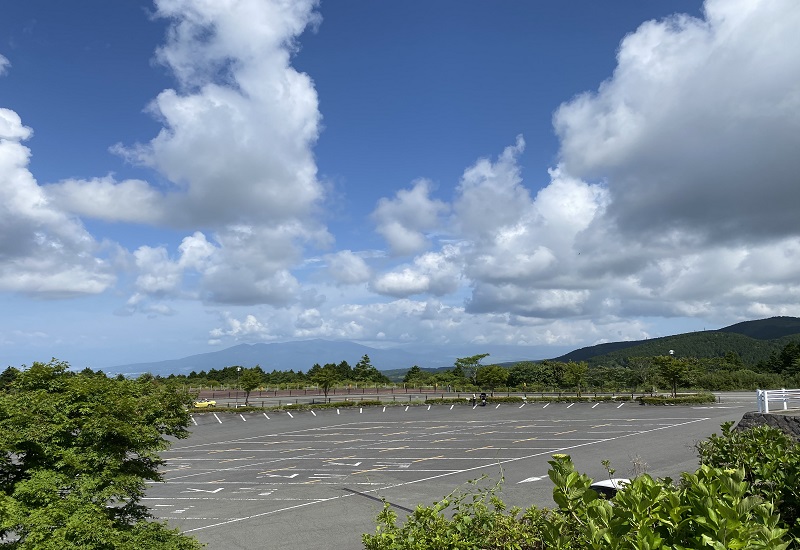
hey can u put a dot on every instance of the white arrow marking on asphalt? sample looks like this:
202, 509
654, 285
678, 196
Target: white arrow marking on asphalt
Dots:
534, 478
276, 475
203, 490
343, 464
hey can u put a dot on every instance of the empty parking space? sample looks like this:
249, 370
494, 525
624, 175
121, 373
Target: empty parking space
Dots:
252, 480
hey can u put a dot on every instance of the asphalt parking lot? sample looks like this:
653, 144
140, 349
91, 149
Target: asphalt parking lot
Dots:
316, 479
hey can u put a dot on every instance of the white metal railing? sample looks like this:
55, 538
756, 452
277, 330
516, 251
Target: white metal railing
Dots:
789, 398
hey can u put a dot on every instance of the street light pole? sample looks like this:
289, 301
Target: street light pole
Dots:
238, 385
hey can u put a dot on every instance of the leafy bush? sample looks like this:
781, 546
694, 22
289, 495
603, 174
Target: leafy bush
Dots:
711, 508
770, 460
680, 400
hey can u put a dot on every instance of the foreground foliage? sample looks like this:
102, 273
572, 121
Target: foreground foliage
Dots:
76, 452
714, 507
770, 460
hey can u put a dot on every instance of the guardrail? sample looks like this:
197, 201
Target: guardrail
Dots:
789, 398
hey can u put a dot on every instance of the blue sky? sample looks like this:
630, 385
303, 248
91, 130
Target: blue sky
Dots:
178, 177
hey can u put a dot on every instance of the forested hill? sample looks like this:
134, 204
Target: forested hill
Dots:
754, 341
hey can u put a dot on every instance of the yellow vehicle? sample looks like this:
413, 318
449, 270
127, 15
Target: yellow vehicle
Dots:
205, 403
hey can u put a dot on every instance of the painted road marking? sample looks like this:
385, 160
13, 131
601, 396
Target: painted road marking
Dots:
545, 405
534, 478
215, 491
312, 412
618, 406
522, 405
218, 522
265, 414
593, 406
290, 414
218, 420
242, 417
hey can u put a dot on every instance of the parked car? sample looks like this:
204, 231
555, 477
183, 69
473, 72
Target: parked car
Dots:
205, 403
609, 487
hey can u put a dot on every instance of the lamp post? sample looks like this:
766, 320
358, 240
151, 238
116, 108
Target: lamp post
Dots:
238, 370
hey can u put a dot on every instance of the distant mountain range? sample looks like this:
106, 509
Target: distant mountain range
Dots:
752, 340
302, 355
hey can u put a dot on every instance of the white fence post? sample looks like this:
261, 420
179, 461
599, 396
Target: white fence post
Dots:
763, 397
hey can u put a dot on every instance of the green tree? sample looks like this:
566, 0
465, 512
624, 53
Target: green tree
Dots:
673, 370
491, 376
76, 453
414, 373
324, 377
365, 371
345, 370
250, 379
8, 376
469, 366
575, 374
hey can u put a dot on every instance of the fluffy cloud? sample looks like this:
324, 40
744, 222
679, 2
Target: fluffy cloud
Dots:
348, 268
235, 149
44, 251
432, 273
696, 132
404, 220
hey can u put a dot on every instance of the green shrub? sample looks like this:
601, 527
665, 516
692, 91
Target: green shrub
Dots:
697, 398
711, 508
770, 460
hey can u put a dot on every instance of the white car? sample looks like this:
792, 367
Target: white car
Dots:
609, 487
